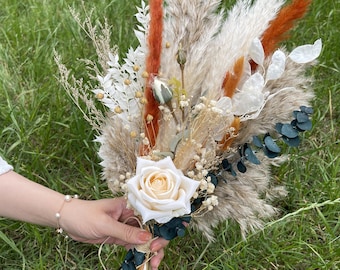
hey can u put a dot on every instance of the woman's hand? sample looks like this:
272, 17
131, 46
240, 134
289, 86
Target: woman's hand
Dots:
107, 221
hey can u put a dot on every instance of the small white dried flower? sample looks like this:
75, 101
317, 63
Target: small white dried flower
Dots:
217, 110
214, 200
199, 166
124, 187
197, 157
211, 188
143, 100
203, 185
184, 103
118, 109
127, 82
146, 141
149, 118
139, 94
191, 174
199, 176
133, 134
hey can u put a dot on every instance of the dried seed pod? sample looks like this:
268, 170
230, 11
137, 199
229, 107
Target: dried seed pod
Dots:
161, 91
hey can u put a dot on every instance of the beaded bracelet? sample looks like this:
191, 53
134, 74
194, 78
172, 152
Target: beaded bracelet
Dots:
67, 198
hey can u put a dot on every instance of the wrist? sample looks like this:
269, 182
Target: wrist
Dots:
59, 215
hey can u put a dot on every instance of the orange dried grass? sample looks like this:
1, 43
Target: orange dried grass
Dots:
152, 67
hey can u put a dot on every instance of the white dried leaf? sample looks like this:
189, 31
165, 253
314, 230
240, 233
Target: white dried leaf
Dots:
256, 52
224, 104
306, 53
250, 98
277, 66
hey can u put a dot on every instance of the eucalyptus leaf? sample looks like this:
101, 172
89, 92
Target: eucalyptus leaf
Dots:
288, 131
139, 257
180, 232
308, 110
271, 145
225, 164
257, 142
305, 126
302, 117
250, 155
294, 142
241, 167
278, 127
293, 123
213, 178
269, 153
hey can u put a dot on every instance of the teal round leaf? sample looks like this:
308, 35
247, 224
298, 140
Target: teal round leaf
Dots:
302, 117
294, 123
128, 266
271, 145
251, 156
305, 109
213, 178
180, 232
130, 260
294, 142
257, 142
129, 255
278, 127
295, 114
226, 164
305, 125
241, 167
172, 228
269, 153
139, 257
288, 131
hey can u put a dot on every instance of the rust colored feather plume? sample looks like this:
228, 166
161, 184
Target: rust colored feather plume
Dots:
278, 28
152, 67
232, 79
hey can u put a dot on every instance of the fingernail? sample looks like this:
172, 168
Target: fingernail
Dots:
144, 236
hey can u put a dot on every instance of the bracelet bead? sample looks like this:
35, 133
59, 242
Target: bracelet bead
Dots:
67, 198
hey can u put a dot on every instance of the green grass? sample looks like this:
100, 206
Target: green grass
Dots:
46, 139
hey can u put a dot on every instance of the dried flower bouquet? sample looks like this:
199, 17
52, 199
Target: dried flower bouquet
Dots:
197, 111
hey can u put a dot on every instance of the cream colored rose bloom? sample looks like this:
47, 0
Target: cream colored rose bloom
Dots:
160, 191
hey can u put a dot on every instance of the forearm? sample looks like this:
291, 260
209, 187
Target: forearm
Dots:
24, 200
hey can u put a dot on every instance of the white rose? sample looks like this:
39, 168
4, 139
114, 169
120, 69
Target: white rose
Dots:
160, 191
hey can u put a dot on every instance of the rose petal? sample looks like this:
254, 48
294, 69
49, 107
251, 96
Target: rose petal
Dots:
160, 191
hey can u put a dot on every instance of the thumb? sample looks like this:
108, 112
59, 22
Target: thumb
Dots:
129, 234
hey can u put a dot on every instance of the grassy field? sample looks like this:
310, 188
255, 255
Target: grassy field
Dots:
46, 139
